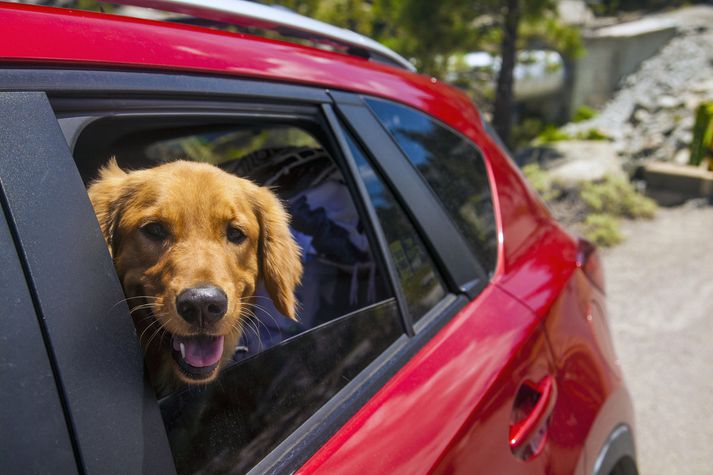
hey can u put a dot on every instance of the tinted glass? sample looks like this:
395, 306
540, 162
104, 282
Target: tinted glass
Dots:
228, 426
454, 169
421, 282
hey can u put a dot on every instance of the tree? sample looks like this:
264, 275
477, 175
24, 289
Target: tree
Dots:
503, 109
539, 20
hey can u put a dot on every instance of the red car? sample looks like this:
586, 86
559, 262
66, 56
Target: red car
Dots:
449, 324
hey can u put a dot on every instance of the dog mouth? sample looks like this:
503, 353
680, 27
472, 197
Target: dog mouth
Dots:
197, 356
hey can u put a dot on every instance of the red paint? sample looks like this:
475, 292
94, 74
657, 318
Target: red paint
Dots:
419, 419
449, 409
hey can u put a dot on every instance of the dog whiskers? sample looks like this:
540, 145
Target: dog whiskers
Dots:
133, 298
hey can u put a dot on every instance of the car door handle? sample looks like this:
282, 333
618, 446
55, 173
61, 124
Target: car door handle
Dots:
522, 431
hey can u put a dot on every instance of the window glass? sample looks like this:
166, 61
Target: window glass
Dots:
283, 371
454, 169
420, 281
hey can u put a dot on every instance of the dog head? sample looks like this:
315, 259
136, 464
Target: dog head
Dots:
190, 243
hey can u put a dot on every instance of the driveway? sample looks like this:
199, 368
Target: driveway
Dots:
660, 296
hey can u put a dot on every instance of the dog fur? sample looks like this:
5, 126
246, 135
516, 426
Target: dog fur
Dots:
168, 229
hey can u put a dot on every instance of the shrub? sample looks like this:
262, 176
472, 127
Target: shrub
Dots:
541, 181
602, 229
592, 134
552, 134
584, 113
617, 197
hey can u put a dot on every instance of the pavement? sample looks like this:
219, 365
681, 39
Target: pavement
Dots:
660, 299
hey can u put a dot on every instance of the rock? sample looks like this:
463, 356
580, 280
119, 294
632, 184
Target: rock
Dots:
668, 102
682, 156
639, 116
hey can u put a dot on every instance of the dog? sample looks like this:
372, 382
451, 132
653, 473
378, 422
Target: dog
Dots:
191, 243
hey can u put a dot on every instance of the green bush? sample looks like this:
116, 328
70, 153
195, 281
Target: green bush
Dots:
594, 208
541, 181
584, 113
592, 134
602, 229
617, 197
552, 134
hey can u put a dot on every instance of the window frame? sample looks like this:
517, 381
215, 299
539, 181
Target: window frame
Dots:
50, 86
462, 270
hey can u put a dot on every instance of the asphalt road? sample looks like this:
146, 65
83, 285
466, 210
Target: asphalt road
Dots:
660, 298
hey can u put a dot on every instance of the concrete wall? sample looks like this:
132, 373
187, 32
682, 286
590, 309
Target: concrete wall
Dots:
612, 54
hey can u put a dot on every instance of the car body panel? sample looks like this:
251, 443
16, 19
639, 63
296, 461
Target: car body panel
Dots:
470, 369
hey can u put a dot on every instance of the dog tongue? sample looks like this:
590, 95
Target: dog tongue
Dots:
200, 351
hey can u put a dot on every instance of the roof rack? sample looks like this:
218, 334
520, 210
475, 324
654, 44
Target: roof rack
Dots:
283, 21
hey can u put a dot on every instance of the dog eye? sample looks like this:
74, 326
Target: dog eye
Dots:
155, 231
235, 235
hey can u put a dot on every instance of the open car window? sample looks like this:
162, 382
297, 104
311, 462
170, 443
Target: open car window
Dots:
282, 370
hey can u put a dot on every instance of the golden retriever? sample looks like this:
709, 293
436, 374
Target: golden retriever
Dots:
190, 243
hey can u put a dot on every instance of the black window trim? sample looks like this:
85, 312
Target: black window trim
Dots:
373, 225
459, 266
34, 372
299, 446
43, 193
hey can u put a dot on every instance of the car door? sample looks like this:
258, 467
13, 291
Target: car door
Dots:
111, 419
479, 393
338, 365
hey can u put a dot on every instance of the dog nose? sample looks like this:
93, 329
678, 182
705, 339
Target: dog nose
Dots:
202, 305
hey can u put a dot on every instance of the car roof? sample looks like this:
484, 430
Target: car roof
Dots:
81, 38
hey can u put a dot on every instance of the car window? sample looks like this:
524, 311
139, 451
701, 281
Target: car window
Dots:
454, 169
422, 285
283, 371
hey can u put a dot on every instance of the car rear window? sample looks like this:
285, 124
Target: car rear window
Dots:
454, 169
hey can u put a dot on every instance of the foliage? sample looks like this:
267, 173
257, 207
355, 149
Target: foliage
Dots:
541, 182
608, 200
525, 131
593, 209
592, 134
545, 30
584, 113
702, 144
617, 197
552, 134
602, 229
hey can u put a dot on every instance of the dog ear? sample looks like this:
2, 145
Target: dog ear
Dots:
280, 256
108, 194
